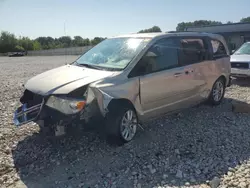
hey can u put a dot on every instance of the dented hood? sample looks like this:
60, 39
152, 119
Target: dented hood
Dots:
64, 79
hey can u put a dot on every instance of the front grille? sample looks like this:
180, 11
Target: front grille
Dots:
29, 111
240, 65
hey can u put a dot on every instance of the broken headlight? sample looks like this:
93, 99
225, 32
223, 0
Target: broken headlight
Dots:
66, 105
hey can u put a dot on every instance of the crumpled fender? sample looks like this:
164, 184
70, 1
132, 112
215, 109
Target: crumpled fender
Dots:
104, 95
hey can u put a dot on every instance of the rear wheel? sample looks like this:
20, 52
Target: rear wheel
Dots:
218, 91
122, 125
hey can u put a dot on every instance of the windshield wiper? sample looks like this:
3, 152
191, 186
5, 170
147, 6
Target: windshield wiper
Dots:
97, 67
89, 66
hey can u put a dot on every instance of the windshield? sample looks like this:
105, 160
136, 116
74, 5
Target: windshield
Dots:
244, 49
114, 53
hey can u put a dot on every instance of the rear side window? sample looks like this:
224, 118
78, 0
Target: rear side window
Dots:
219, 49
192, 50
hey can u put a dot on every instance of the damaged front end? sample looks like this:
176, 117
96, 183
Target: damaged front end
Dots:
57, 111
61, 111
32, 105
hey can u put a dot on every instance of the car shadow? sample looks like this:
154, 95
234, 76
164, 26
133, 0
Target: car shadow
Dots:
170, 151
245, 82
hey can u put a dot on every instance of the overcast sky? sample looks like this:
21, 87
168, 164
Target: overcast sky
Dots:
90, 18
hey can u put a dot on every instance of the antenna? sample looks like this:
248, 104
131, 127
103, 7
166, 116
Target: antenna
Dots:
65, 53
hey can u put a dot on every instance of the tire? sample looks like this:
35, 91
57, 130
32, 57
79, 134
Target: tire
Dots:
47, 130
121, 126
217, 92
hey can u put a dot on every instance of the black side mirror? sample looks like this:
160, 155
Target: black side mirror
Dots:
232, 52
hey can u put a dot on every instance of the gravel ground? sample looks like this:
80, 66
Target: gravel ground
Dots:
200, 147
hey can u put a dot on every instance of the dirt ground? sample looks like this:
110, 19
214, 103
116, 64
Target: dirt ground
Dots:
200, 147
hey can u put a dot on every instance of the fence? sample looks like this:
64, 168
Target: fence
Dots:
60, 51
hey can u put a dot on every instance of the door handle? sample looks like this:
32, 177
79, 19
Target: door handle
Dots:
189, 71
177, 74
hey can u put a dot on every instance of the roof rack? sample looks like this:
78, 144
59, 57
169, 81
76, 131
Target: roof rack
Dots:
187, 32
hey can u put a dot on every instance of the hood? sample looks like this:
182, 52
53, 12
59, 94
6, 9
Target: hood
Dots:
64, 79
240, 58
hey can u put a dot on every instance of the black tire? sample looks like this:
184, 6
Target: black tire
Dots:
47, 131
113, 125
212, 99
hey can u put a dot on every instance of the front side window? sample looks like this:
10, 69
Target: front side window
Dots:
243, 50
161, 56
113, 53
192, 51
219, 49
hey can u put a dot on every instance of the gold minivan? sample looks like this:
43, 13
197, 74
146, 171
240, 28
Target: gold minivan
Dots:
128, 79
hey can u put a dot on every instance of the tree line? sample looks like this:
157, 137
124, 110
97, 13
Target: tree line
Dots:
9, 42
198, 23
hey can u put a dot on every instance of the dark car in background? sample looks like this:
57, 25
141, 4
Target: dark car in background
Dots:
17, 54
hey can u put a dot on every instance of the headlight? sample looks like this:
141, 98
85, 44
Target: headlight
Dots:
66, 105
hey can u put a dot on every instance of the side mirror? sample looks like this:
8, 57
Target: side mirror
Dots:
231, 53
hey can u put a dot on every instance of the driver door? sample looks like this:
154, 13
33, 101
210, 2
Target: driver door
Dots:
163, 83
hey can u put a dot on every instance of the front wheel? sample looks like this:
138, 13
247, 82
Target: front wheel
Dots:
218, 91
122, 125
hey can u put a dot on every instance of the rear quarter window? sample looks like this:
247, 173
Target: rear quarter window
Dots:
218, 48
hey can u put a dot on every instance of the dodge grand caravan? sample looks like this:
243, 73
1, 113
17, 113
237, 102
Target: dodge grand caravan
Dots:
128, 79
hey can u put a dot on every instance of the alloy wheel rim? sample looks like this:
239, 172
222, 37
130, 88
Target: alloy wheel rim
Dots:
128, 125
218, 91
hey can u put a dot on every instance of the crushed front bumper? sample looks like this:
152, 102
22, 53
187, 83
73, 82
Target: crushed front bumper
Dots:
34, 113
25, 114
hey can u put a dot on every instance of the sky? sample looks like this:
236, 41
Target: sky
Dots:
105, 18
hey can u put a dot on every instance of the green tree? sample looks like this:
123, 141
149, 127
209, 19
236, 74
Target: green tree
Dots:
86, 42
151, 30
183, 25
19, 48
36, 45
8, 42
198, 23
65, 40
46, 42
26, 43
78, 41
245, 20
96, 40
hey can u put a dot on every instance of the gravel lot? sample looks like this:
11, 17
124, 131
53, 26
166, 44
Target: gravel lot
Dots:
199, 147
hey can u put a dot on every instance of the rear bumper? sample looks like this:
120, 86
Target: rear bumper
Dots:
240, 72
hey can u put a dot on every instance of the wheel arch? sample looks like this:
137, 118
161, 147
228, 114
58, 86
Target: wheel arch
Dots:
224, 79
121, 102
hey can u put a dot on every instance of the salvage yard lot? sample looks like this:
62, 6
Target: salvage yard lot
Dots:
190, 148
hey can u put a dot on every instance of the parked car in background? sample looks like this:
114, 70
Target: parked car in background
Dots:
126, 80
16, 54
240, 61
